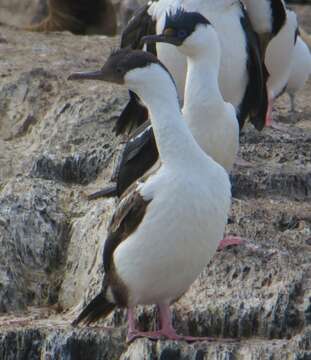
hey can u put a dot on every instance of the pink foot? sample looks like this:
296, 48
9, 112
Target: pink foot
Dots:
167, 331
207, 338
280, 127
230, 241
152, 335
269, 119
171, 335
242, 163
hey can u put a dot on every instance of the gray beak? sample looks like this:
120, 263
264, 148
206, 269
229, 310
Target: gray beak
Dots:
150, 39
92, 75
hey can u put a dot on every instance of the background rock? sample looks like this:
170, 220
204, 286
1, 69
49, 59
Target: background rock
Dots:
57, 144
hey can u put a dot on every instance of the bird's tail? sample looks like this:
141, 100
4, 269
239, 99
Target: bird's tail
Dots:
305, 36
108, 191
99, 307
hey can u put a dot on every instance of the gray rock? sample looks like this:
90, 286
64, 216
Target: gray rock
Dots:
33, 245
57, 144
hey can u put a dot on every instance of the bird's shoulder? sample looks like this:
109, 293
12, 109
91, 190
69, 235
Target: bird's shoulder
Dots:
128, 215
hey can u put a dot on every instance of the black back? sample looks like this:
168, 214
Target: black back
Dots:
134, 114
255, 101
139, 155
278, 15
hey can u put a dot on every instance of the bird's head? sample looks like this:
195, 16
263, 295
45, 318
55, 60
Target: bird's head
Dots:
190, 31
137, 70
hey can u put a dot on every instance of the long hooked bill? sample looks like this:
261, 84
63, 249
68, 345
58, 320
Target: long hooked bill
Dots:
150, 39
87, 75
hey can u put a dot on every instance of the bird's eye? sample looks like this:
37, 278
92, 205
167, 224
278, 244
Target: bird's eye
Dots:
119, 70
182, 33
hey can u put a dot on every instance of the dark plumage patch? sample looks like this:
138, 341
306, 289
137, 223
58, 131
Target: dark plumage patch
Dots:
140, 24
122, 61
133, 115
128, 215
97, 308
128, 59
182, 19
255, 100
139, 155
278, 15
297, 33
184, 22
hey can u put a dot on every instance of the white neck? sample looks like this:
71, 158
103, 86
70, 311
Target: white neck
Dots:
202, 89
260, 14
173, 137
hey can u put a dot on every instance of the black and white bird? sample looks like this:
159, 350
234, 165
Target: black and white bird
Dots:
166, 227
241, 77
277, 29
300, 70
202, 94
212, 121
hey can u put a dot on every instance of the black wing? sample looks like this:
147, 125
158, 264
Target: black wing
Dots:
126, 218
128, 215
133, 115
141, 24
278, 11
255, 101
139, 155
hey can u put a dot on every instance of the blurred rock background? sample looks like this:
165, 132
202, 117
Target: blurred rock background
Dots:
57, 145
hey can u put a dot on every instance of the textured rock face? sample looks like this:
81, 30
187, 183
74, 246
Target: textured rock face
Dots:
57, 144
34, 238
23, 13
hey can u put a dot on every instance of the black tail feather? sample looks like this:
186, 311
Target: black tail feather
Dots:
132, 116
98, 308
108, 191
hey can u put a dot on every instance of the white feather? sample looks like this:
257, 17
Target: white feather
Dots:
260, 14
190, 202
225, 16
279, 54
300, 67
212, 121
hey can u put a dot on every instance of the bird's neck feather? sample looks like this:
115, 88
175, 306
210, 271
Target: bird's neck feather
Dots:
174, 139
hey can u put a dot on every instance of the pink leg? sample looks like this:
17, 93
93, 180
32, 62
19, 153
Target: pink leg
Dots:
280, 127
242, 163
167, 331
133, 333
230, 241
269, 119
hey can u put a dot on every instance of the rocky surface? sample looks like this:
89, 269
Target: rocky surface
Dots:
57, 145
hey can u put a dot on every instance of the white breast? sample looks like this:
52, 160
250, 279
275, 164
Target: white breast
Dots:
226, 20
260, 14
300, 68
279, 54
216, 130
179, 233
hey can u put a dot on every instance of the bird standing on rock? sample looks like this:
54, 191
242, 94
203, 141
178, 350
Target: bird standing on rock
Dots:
277, 29
241, 82
167, 227
241, 78
300, 70
211, 120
